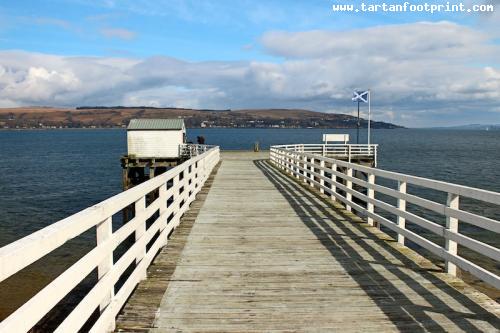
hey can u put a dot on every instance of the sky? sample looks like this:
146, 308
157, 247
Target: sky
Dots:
423, 69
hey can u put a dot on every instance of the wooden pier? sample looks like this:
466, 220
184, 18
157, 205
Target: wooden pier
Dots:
267, 242
267, 254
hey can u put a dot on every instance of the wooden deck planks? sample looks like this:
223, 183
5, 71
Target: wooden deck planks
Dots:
267, 255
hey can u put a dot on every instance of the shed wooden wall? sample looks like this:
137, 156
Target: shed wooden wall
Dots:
151, 143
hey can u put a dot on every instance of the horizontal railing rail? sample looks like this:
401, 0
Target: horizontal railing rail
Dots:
174, 190
344, 151
349, 181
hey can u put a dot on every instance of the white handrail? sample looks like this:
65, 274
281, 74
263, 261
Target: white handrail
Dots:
336, 150
311, 167
184, 182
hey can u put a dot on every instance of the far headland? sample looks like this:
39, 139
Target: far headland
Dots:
119, 116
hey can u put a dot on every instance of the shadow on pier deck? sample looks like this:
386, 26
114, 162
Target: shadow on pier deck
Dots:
262, 253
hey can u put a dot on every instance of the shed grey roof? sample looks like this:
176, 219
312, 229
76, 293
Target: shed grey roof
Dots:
156, 124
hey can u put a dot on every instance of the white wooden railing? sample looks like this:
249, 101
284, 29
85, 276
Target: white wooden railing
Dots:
176, 189
311, 169
343, 151
189, 150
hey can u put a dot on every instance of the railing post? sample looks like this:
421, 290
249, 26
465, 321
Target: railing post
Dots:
401, 206
287, 162
199, 179
334, 180
348, 195
183, 184
297, 165
104, 231
349, 153
321, 174
312, 169
140, 210
204, 169
305, 168
163, 207
452, 226
324, 151
371, 195
192, 188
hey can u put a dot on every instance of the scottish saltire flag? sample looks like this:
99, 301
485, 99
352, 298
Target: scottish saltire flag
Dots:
360, 96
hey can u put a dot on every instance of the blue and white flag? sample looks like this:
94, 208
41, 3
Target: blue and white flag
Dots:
360, 96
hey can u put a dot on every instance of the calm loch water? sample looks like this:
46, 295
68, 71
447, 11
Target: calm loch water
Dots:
46, 175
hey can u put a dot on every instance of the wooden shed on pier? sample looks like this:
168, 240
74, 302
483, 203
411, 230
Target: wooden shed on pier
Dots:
154, 146
155, 138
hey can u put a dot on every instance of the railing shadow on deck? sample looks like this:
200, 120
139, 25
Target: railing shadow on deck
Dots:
393, 302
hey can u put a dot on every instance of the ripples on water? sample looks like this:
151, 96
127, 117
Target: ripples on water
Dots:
46, 175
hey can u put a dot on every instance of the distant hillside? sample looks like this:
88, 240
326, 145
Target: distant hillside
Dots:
41, 117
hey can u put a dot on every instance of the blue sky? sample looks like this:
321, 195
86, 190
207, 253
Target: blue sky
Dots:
251, 54
190, 30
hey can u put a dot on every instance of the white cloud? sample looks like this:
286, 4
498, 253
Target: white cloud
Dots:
439, 69
40, 84
397, 42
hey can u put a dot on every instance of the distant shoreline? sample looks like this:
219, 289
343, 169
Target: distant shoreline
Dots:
204, 128
31, 118
263, 128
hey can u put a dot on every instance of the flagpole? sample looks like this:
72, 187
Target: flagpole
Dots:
369, 115
357, 131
